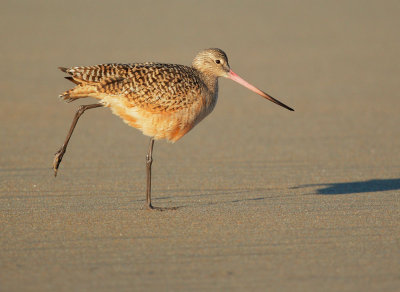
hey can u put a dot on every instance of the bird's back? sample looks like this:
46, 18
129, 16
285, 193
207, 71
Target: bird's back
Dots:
157, 86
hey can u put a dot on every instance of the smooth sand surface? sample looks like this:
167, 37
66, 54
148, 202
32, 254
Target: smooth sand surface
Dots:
269, 200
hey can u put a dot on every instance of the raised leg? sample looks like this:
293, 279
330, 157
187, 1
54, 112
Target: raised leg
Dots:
60, 153
149, 161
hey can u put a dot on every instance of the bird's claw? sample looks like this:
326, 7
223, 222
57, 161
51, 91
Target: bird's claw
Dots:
57, 160
151, 207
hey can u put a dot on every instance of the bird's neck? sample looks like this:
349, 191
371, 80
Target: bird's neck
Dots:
211, 82
211, 96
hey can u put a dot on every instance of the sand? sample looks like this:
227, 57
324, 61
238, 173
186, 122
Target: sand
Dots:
268, 199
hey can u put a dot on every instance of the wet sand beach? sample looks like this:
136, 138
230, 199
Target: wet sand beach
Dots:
268, 200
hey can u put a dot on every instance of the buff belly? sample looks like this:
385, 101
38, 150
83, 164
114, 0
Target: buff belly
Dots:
160, 125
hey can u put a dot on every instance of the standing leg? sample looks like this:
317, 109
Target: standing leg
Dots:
60, 153
149, 161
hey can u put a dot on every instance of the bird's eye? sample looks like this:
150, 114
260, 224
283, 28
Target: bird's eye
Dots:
217, 61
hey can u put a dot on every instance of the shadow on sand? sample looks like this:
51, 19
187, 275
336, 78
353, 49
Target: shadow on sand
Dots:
373, 185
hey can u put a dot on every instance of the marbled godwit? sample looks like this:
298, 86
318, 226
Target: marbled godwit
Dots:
164, 101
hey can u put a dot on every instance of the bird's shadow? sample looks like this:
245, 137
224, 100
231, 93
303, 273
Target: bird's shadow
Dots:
368, 186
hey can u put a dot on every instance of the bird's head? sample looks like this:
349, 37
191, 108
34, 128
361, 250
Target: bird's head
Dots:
212, 62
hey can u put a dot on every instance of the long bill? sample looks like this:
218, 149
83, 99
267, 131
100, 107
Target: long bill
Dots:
233, 76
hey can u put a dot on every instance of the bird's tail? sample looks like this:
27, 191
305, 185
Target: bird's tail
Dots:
81, 89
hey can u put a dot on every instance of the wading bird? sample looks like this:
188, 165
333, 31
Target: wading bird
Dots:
164, 101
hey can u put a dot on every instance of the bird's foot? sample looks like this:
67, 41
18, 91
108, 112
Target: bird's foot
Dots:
151, 207
57, 160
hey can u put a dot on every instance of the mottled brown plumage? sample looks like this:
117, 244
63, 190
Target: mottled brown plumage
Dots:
164, 101
164, 87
